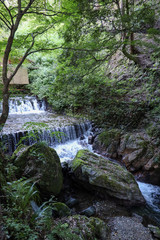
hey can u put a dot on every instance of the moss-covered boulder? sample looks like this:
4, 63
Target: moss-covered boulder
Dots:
107, 142
60, 209
41, 163
79, 227
100, 174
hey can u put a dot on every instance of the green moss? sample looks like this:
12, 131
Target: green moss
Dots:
62, 209
41, 162
88, 228
77, 162
108, 136
20, 148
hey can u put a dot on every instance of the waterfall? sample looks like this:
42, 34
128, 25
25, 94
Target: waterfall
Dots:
53, 137
151, 194
25, 105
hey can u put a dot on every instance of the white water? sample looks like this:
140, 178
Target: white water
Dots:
151, 194
26, 105
67, 150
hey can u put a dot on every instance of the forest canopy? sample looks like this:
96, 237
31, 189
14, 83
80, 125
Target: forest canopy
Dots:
85, 35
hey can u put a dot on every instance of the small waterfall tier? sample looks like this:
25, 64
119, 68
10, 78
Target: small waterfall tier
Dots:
151, 194
53, 137
25, 105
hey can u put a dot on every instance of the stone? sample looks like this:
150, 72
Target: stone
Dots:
42, 164
60, 209
71, 202
90, 139
90, 211
138, 151
155, 230
82, 137
83, 228
108, 142
109, 178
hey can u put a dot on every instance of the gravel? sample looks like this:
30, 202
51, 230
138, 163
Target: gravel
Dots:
128, 228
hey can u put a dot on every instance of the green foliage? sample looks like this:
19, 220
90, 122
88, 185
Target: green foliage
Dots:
107, 137
42, 75
20, 193
62, 231
17, 229
17, 211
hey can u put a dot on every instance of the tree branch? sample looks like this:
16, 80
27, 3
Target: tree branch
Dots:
5, 19
9, 27
7, 10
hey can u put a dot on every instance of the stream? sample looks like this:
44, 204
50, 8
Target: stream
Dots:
74, 137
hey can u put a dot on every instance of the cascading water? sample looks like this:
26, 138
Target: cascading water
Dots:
26, 105
30, 109
151, 194
53, 137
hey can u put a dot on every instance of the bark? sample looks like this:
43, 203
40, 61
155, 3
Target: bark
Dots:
7, 79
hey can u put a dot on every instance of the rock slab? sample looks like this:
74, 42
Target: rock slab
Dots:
105, 176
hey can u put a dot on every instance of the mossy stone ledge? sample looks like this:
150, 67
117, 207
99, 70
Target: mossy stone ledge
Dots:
107, 177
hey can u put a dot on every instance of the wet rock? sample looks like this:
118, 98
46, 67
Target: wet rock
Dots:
90, 139
42, 164
88, 212
71, 202
82, 137
106, 177
60, 210
155, 230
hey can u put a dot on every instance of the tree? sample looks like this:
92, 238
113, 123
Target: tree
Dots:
41, 17
104, 26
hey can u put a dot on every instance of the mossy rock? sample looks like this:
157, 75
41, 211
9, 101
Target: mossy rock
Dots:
101, 174
79, 227
107, 137
18, 151
61, 209
155, 230
41, 163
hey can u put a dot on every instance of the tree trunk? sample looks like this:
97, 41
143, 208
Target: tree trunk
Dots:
5, 105
5, 79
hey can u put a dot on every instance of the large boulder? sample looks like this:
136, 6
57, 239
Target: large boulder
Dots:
42, 164
107, 177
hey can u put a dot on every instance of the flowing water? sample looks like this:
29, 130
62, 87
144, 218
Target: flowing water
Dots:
151, 194
57, 131
29, 109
